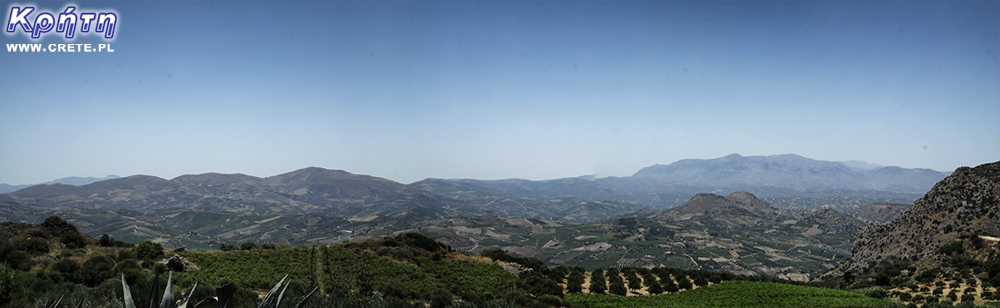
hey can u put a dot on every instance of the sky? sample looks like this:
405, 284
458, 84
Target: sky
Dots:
408, 90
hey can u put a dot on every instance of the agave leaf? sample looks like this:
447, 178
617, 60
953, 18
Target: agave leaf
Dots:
206, 302
56, 304
187, 300
270, 295
128, 294
80, 305
225, 295
303, 300
168, 293
153, 293
277, 303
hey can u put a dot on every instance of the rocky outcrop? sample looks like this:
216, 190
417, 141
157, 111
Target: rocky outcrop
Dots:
880, 212
834, 221
967, 202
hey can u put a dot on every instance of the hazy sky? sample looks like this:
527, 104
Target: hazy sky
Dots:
502, 89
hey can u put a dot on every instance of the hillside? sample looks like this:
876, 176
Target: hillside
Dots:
42, 264
967, 202
880, 212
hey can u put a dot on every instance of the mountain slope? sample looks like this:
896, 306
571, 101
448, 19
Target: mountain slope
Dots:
880, 212
967, 202
789, 171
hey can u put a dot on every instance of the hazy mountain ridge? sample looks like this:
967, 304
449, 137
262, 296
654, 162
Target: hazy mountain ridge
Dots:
577, 200
73, 180
790, 171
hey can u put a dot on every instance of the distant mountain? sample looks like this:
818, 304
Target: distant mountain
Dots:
784, 180
319, 191
789, 171
967, 203
73, 180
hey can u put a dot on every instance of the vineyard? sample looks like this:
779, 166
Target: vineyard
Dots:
357, 269
738, 294
257, 269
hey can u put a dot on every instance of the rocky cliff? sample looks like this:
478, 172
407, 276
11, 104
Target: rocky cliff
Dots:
967, 202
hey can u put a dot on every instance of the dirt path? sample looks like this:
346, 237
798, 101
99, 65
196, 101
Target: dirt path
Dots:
319, 266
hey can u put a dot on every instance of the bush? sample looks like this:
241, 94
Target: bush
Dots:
248, 245
148, 251
876, 293
57, 226
18, 260
905, 297
35, 246
97, 269
550, 300
73, 240
968, 298
441, 299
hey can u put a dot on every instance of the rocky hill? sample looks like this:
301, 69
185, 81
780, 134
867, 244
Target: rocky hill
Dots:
737, 209
835, 221
880, 212
965, 203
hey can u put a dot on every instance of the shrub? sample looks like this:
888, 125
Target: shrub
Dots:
18, 260
905, 297
96, 270
148, 251
441, 299
56, 226
73, 240
876, 293
34, 246
248, 245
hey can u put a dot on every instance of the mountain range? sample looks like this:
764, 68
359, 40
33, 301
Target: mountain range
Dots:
73, 180
786, 180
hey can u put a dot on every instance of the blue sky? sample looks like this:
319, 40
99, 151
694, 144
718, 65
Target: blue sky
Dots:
502, 89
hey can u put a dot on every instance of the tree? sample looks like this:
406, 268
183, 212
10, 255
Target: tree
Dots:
634, 282
148, 251
670, 286
73, 240
18, 260
574, 284
97, 269
248, 245
597, 283
654, 285
684, 283
57, 226
700, 281
617, 286
228, 247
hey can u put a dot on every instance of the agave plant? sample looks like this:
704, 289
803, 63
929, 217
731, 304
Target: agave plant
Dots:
224, 295
273, 298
